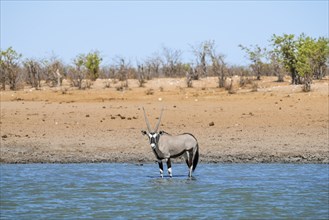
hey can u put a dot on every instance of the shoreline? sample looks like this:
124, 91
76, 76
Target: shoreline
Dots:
250, 158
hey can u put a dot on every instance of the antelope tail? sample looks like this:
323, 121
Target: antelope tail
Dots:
196, 157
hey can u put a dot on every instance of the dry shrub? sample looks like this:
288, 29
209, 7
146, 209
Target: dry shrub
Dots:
88, 84
149, 92
244, 81
64, 90
123, 86
107, 84
19, 85
254, 87
232, 90
230, 86
307, 84
119, 88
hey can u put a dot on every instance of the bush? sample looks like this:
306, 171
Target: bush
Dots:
149, 92
254, 87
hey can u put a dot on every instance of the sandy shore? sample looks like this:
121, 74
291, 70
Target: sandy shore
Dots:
278, 123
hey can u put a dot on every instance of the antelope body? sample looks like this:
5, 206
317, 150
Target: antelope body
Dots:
166, 146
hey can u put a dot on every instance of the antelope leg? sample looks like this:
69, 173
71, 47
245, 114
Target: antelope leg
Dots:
161, 168
169, 167
189, 162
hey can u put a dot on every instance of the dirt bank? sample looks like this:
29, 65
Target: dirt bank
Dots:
278, 123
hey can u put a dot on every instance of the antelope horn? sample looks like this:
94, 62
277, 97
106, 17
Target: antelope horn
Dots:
157, 126
147, 121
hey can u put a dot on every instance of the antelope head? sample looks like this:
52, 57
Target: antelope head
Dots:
153, 135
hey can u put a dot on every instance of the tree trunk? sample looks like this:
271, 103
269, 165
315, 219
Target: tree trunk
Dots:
280, 77
307, 84
221, 80
295, 78
58, 75
189, 79
80, 79
203, 65
258, 71
3, 81
12, 76
320, 75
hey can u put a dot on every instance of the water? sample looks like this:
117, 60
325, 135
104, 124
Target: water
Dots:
127, 191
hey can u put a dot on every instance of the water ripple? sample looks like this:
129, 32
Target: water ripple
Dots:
125, 191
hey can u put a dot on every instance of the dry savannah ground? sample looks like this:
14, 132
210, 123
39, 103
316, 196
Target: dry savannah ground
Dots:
276, 123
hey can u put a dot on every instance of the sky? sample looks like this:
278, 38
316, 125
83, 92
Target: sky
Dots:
136, 30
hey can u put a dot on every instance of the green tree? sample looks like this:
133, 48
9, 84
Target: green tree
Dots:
78, 73
305, 55
255, 54
9, 64
79, 61
321, 57
312, 55
286, 46
92, 63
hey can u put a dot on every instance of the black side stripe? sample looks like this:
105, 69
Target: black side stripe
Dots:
179, 154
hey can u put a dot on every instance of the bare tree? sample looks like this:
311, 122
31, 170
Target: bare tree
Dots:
122, 71
52, 70
152, 66
276, 65
201, 52
78, 73
10, 69
141, 75
33, 70
189, 77
2, 71
171, 61
219, 68
218, 64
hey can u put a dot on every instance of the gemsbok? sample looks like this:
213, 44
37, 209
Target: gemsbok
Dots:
166, 146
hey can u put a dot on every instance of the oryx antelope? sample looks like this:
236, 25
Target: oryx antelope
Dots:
166, 146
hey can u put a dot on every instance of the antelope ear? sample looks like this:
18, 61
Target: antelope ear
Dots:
144, 132
161, 132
